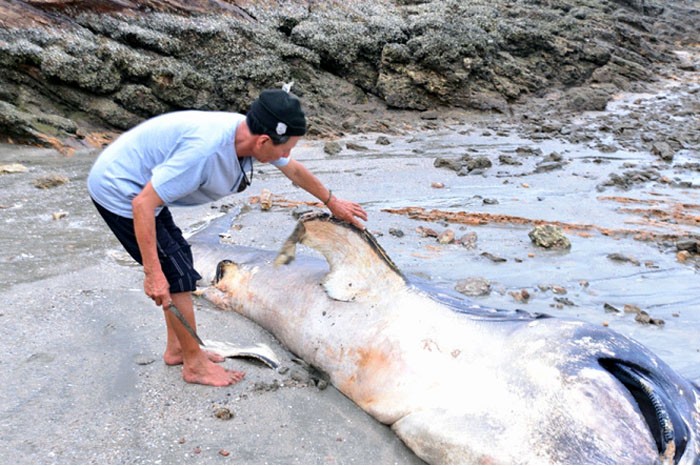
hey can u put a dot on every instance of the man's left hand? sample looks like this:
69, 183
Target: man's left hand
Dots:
348, 211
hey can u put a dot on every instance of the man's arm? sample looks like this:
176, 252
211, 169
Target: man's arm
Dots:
341, 208
143, 206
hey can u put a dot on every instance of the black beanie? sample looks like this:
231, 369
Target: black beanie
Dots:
277, 112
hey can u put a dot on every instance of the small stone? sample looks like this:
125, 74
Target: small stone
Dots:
682, 256
144, 359
468, 240
437, 185
622, 258
223, 413
332, 148
426, 232
550, 237
522, 296
356, 147
446, 237
611, 308
13, 168
493, 258
223, 452
265, 199
50, 181
474, 286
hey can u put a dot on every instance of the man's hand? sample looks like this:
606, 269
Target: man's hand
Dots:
348, 211
157, 288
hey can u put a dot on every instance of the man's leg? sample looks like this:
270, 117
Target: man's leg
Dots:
180, 347
173, 350
197, 364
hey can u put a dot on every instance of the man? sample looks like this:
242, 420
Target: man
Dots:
188, 158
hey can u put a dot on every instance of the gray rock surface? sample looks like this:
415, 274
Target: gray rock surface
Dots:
69, 68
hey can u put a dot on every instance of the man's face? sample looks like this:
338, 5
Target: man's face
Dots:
266, 151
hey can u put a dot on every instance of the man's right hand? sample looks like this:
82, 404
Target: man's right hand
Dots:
157, 288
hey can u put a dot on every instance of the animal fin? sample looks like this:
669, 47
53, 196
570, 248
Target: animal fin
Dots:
357, 261
258, 351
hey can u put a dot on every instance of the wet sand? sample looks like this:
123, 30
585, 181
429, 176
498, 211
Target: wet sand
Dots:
83, 381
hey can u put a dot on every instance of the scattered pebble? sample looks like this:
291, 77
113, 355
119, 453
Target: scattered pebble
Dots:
468, 240
549, 237
521, 296
265, 199
223, 413
144, 359
493, 258
12, 168
565, 301
426, 232
50, 181
617, 257
332, 148
446, 237
474, 286
356, 147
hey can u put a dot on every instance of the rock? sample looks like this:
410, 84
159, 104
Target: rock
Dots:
446, 237
224, 414
110, 64
617, 257
663, 150
468, 240
50, 181
549, 237
611, 308
493, 258
13, 168
474, 286
690, 245
583, 99
396, 232
383, 141
355, 146
426, 232
332, 148
265, 199
508, 160
521, 296
564, 301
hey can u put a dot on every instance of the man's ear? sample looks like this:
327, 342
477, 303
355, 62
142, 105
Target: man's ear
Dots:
262, 139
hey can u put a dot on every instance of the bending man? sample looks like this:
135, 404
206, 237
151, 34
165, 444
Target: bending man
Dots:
188, 158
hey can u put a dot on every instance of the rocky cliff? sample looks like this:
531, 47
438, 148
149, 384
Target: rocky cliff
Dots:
70, 68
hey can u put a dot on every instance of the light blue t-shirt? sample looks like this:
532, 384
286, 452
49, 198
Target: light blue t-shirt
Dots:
189, 156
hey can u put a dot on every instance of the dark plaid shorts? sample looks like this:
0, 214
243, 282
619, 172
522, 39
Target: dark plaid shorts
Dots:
174, 252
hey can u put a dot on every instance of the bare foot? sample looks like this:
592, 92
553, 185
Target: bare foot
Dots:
174, 358
209, 373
